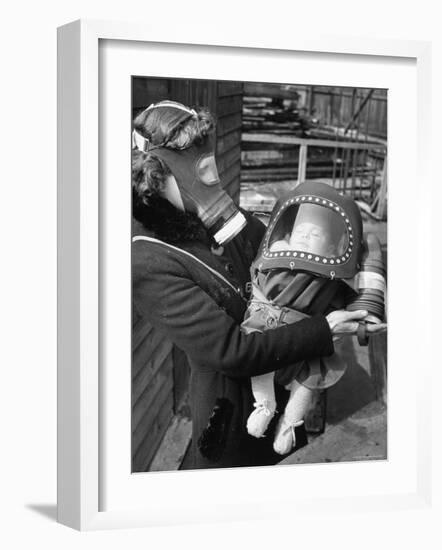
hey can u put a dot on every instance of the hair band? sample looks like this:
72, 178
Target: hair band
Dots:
172, 104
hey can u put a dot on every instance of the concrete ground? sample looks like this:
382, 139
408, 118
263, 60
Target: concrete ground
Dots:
361, 436
356, 426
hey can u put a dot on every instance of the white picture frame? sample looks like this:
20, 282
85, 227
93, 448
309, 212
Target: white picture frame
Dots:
80, 362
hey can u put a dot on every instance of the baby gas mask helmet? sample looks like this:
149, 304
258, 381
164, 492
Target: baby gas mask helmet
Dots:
314, 229
196, 174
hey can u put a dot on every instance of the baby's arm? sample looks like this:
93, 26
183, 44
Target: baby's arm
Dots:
279, 245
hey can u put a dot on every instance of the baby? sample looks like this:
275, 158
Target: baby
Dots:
307, 237
309, 262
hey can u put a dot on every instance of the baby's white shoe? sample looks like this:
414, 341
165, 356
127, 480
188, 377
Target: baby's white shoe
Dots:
260, 418
285, 438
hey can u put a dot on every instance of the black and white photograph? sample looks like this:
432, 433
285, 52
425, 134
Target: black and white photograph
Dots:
259, 269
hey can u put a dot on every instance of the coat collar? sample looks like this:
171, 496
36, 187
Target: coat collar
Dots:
162, 220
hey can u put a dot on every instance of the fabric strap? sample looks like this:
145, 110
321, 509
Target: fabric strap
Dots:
170, 104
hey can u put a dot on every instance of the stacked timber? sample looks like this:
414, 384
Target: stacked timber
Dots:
276, 112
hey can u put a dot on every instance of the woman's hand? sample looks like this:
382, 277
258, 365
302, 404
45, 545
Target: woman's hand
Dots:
343, 322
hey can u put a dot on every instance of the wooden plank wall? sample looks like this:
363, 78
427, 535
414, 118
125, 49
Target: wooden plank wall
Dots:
334, 106
148, 90
229, 120
152, 381
160, 372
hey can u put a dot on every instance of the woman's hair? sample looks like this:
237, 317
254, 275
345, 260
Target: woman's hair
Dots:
149, 174
174, 127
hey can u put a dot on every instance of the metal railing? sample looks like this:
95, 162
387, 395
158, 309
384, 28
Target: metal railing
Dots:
359, 166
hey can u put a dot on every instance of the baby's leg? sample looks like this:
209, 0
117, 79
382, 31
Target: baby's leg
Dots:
296, 408
265, 405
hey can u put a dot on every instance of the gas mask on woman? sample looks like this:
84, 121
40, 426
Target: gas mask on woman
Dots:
196, 174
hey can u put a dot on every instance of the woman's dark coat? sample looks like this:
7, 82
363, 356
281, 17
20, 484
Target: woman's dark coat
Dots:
201, 315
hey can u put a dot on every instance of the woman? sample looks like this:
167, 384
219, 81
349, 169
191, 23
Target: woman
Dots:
190, 265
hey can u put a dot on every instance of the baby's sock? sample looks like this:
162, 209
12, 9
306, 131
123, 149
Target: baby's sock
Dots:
298, 403
293, 416
265, 405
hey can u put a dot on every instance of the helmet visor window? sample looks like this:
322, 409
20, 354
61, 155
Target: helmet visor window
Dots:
310, 228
